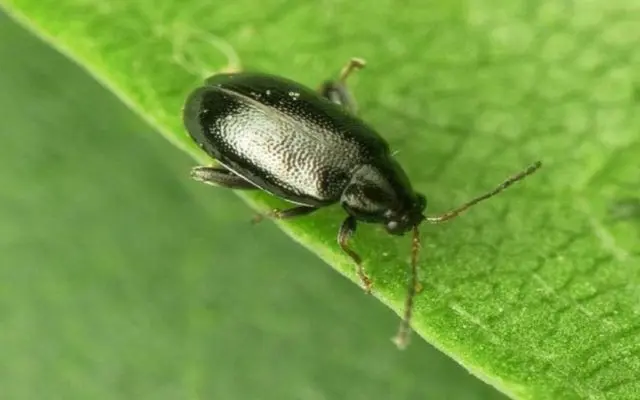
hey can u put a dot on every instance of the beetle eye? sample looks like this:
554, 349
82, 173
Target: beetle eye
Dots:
394, 228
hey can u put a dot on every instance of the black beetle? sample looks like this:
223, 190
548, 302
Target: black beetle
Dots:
308, 147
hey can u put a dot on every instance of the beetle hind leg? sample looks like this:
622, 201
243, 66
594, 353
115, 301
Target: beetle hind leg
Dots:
218, 176
347, 229
337, 90
284, 214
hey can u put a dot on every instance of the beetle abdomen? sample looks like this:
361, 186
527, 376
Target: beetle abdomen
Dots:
259, 127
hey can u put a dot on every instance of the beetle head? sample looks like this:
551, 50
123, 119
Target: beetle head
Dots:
399, 222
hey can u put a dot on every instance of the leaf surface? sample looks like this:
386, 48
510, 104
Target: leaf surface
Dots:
112, 287
536, 291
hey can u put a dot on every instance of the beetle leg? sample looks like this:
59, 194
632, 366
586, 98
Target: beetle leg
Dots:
347, 229
218, 176
284, 214
337, 91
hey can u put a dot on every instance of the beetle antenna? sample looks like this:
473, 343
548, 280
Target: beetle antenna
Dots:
510, 181
402, 337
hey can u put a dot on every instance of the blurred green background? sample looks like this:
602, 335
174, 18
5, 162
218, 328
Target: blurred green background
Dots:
122, 279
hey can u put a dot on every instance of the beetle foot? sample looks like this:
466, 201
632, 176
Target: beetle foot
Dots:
401, 340
365, 281
354, 64
275, 214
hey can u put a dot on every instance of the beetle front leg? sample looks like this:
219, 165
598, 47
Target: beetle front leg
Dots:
218, 176
284, 214
347, 229
337, 91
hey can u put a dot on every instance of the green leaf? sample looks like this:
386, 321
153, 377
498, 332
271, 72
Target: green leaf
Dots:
112, 287
536, 291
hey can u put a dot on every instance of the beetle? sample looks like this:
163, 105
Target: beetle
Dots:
310, 148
